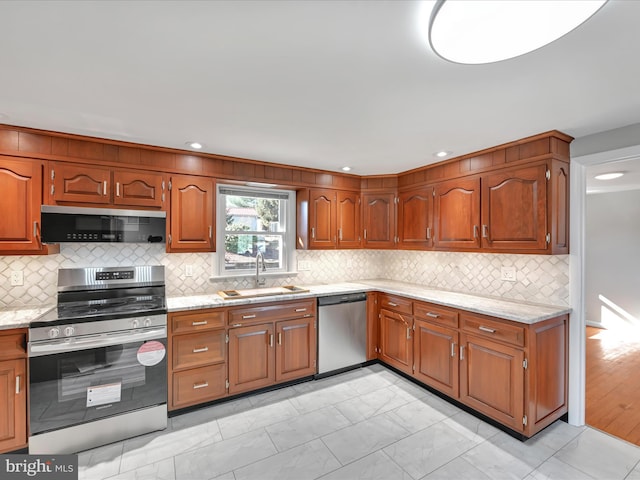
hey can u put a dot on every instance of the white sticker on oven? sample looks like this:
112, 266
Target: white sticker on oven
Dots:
151, 353
103, 394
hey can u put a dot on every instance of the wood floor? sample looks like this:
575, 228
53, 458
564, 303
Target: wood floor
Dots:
613, 383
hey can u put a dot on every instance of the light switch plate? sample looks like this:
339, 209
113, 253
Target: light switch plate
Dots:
188, 270
304, 265
508, 274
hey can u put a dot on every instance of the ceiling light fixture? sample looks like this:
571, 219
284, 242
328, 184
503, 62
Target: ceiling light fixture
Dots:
195, 145
486, 31
441, 154
609, 176
346, 169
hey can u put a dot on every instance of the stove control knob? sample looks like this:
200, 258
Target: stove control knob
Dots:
147, 322
68, 331
135, 323
54, 332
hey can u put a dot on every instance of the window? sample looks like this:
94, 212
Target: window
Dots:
252, 220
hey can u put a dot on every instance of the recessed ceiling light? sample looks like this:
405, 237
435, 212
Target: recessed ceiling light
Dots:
486, 31
609, 176
195, 145
441, 153
346, 169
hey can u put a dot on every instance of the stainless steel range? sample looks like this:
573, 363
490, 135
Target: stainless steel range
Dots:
97, 362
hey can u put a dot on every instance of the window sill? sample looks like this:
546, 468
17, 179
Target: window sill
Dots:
216, 278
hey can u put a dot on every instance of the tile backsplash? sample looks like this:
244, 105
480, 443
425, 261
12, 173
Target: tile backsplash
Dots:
540, 278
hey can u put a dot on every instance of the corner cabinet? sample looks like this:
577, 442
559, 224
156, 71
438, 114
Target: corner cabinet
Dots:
192, 223
379, 220
13, 390
21, 184
515, 374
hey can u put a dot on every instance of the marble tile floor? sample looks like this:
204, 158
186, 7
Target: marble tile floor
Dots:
368, 423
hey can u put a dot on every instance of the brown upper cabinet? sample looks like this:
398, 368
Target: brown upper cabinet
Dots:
415, 218
83, 184
379, 220
328, 219
457, 214
21, 187
192, 223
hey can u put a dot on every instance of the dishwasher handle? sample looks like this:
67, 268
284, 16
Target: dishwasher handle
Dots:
344, 298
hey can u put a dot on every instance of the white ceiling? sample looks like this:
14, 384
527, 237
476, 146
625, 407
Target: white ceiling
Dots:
320, 84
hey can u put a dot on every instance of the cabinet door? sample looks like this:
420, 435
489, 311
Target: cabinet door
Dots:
296, 349
192, 220
492, 379
415, 219
21, 187
80, 184
13, 414
457, 214
514, 209
379, 217
139, 189
322, 219
396, 344
436, 357
348, 219
251, 358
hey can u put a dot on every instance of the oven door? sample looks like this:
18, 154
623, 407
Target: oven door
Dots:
74, 381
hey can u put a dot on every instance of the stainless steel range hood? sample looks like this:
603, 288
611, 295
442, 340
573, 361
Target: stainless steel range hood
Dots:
61, 224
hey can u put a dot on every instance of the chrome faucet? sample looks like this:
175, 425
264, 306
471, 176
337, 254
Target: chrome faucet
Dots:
260, 281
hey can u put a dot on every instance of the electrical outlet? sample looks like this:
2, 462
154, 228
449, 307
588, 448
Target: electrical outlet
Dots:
304, 265
17, 278
188, 270
508, 274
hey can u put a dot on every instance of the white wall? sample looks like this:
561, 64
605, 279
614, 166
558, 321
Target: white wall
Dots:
612, 257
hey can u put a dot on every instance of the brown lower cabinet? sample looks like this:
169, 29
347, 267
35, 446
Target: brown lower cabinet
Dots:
513, 373
13, 390
226, 351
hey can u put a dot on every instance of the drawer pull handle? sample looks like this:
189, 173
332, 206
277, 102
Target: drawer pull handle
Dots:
433, 315
201, 350
393, 304
486, 329
236, 325
461, 352
246, 317
200, 385
301, 309
195, 324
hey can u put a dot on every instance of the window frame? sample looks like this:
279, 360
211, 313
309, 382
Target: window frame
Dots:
288, 236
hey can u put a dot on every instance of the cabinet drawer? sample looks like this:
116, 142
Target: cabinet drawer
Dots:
435, 314
196, 349
494, 329
13, 344
397, 304
196, 321
198, 385
239, 317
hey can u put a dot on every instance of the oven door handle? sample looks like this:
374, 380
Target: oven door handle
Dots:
48, 347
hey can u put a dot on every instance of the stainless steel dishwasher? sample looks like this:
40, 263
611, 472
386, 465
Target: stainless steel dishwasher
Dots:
342, 332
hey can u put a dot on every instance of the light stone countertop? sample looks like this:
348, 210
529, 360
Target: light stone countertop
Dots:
21, 317
522, 312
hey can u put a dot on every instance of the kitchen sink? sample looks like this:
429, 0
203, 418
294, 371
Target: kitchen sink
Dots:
260, 292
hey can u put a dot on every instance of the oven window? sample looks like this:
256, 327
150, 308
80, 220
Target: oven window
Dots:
76, 387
